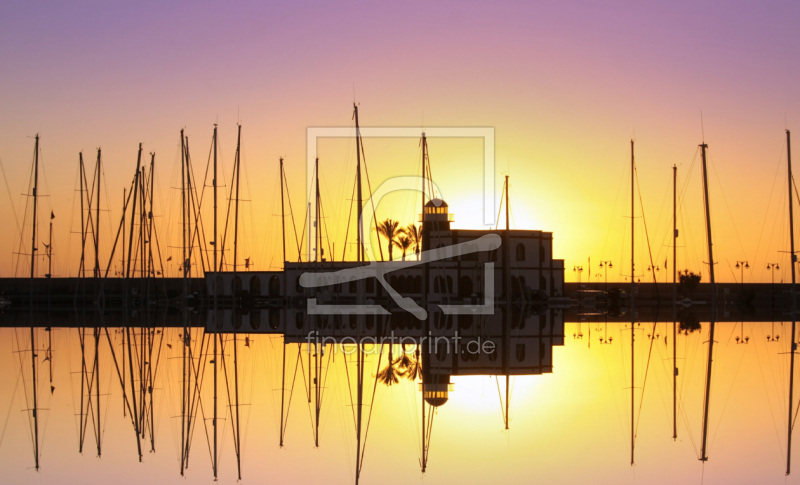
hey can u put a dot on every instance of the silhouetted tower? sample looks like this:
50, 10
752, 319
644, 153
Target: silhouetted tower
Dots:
435, 217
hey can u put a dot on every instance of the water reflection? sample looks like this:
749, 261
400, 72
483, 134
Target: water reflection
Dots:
379, 398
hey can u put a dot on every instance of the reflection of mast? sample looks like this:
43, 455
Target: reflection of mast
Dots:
794, 322
359, 404
712, 323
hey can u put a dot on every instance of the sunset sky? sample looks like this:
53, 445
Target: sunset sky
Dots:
564, 85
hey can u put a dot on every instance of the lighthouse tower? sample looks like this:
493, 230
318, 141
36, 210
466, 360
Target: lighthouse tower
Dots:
435, 217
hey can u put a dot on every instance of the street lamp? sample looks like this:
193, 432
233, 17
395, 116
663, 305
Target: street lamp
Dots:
654, 270
604, 265
772, 267
741, 265
579, 270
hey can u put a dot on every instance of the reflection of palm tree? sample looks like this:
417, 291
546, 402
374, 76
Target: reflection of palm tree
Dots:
404, 243
389, 374
388, 229
414, 369
414, 233
404, 362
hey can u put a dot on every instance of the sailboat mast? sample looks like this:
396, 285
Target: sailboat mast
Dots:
360, 202
704, 456
133, 210
424, 160
236, 200
50, 258
97, 220
794, 303
317, 232
674, 302
283, 217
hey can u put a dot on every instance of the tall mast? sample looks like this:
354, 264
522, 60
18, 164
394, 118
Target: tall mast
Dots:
50, 258
133, 210
633, 295
33, 336
150, 264
81, 267
236, 168
360, 208
794, 303
424, 167
97, 221
317, 222
674, 302
712, 324
283, 217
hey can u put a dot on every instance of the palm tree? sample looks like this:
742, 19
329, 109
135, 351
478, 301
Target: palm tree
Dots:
414, 233
389, 230
403, 242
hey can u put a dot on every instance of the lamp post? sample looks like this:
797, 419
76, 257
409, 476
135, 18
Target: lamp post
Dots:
772, 267
604, 265
579, 270
741, 265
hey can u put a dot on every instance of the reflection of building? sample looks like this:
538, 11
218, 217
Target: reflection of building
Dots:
524, 272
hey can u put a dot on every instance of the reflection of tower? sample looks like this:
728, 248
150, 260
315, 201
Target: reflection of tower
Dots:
435, 217
435, 388
435, 392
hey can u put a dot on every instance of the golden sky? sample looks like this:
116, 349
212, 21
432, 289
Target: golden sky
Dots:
564, 86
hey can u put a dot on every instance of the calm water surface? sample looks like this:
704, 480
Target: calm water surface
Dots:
571, 425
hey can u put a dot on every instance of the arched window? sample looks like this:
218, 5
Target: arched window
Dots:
255, 319
520, 252
274, 286
465, 287
255, 286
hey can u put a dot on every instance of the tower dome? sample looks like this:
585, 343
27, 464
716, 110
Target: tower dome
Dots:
435, 217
